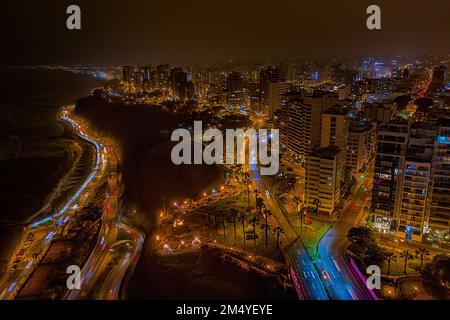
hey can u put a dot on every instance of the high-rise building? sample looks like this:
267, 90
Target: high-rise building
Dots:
438, 79
235, 89
360, 146
323, 181
147, 75
138, 78
379, 113
190, 90
439, 206
289, 70
277, 92
267, 76
179, 84
303, 119
127, 74
334, 133
392, 139
163, 76
416, 182
335, 124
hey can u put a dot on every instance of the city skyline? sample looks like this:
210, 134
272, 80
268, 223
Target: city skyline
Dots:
235, 150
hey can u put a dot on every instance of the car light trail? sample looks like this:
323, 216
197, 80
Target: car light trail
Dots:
85, 184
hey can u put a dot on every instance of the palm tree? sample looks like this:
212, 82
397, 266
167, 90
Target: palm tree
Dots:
277, 231
406, 255
224, 229
267, 214
256, 192
422, 252
390, 256
247, 183
254, 222
297, 203
260, 206
266, 227
234, 213
242, 219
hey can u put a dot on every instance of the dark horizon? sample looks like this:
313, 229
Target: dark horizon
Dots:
177, 31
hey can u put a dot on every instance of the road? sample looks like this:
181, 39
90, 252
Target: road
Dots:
305, 276
346, 281
342, 276
105, 261
44, 230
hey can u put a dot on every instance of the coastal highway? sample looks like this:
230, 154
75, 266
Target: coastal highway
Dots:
106, 266
42, 232
127, 253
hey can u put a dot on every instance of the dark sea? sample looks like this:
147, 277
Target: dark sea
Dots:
33, 143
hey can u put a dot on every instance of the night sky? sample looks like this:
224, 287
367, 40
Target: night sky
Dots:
180, 31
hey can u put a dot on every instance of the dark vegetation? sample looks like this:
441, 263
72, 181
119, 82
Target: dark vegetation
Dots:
205, 273
147, 172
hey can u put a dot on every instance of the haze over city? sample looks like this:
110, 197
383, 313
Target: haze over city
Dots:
225, 150
179, 31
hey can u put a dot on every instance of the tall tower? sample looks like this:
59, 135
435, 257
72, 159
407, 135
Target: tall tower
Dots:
235, 89
388, 175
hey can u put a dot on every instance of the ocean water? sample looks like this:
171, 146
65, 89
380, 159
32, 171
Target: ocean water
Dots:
31, 138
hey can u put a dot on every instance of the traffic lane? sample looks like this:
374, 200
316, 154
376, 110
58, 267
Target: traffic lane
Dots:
297, 254
338, 281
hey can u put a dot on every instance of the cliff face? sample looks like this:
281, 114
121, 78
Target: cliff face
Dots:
146, 169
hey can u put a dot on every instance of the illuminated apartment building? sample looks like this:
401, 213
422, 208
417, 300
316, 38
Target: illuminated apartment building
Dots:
360, 147
303, 121
392, 145
323, 181
439, 207
416, 182
277, 92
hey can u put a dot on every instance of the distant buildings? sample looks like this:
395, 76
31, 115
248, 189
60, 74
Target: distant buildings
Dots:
179, 84
163, 80
277, 92
127, 74
235, 89
339, 121
439, 78
147, 77
268, 76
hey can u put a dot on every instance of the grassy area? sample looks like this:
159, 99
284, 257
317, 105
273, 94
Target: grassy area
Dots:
310, 234
398, 266
216, 221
